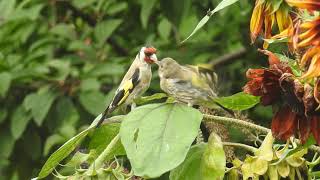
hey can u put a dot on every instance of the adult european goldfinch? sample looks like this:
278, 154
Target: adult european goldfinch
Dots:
135, 82
189, 84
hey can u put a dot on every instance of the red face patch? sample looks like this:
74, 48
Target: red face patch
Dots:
149, 51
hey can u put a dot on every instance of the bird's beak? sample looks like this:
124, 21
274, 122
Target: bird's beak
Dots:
154, 58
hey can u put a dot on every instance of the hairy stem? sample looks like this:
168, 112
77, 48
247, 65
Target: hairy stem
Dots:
234, 121
244, 146
241, 123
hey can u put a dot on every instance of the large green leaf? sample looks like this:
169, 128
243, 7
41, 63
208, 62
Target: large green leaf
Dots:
240, 101
190, 168
213, 161
223, 4
39, 103
157, 137
104, 29
61, 153
5, 79
19, 121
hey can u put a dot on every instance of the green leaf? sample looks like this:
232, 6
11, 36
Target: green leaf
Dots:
6, 8
275, 5
202, 22
66, 112
39, 103
190, 168
79, 158
6, 143
223, 4
106, 69
61, 69
93, 101
164, 28
146, 9
240, 101
5, 79
145, 99
64, 151
104, 29
103, 136
51, 141
213, 161
89, 84
153, 143
19, 121
117, 7
31, 13
3, 114
288, 152
294, 65
66, 31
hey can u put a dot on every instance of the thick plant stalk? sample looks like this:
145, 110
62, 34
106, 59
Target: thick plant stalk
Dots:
241, 123
233, 121
98, 163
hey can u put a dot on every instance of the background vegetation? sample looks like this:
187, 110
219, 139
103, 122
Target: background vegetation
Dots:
60, 61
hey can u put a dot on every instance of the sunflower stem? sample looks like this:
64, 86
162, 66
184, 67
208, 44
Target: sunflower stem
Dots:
233, 121
241, 123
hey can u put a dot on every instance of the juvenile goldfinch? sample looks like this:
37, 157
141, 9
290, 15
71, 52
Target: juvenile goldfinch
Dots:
135, 82
189, 84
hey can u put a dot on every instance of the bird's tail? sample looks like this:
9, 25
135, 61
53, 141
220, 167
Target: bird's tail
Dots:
103, 117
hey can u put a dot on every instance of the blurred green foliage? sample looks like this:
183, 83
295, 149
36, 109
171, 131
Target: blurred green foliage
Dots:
60, 61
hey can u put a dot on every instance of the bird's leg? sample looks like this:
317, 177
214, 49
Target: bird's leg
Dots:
133, 105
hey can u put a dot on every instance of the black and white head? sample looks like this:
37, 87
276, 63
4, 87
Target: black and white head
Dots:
148, 54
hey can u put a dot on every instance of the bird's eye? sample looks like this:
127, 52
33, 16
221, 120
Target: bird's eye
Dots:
148, 53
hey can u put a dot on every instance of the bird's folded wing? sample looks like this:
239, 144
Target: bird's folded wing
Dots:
125, 89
